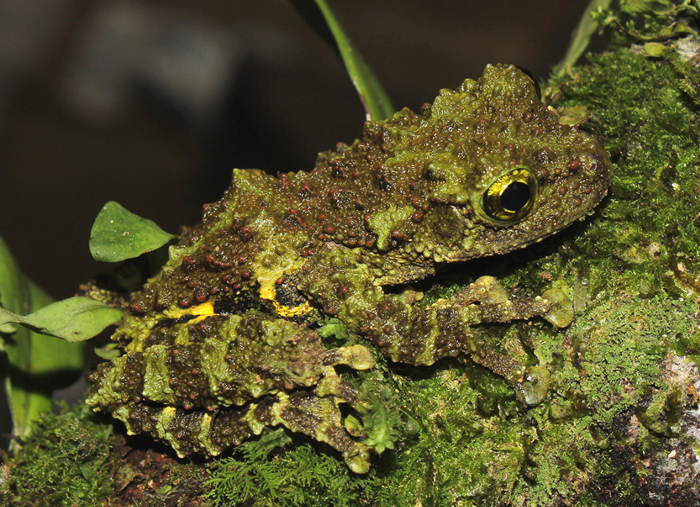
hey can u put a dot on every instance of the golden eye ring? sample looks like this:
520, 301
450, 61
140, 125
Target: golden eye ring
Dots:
511, 196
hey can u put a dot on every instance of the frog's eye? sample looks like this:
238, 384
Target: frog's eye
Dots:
511, 196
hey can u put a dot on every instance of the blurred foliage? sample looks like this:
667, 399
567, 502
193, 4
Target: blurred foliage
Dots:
32, 365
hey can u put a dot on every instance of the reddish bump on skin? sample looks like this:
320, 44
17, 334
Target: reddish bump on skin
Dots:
136, 308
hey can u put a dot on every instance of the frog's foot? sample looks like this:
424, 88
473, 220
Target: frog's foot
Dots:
409, 333
487, 301
334, 386
210, 432
561, 311
358, 357
533, 387
320, 418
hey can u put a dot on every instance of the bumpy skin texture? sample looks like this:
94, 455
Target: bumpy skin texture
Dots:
217, 345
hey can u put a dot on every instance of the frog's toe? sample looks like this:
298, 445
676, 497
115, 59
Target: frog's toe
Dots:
534, 386
561, 313
358, 357
491, 291
334, 386
358, 459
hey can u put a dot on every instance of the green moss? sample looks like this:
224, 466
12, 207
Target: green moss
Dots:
648, 234
269, 472
65, 462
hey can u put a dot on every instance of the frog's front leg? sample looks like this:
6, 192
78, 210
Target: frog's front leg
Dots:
343, 286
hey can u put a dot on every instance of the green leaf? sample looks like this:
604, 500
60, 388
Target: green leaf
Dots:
587, 27
655, 49
374, 99
33, 365
334, 327
118, 234
108, 351
74, 319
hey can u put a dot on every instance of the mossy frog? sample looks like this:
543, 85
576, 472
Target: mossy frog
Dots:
221, 344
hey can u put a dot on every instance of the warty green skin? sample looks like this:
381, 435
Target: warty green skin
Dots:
217, 345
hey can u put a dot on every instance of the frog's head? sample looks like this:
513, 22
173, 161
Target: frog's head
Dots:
514, 205
513, 175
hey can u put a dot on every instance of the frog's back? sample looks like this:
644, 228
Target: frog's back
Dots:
411, 192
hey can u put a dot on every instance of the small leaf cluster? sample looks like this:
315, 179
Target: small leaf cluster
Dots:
380, 415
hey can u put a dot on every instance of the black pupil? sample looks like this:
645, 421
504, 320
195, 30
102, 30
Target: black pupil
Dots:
515, 196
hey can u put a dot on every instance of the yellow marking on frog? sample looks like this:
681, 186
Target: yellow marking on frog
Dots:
267, 289
291, 311
268, 292
200, 311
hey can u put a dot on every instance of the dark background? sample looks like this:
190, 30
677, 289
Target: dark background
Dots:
285, 96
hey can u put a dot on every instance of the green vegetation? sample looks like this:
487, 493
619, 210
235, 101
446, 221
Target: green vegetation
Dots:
66, 461
272, 472
31, 365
